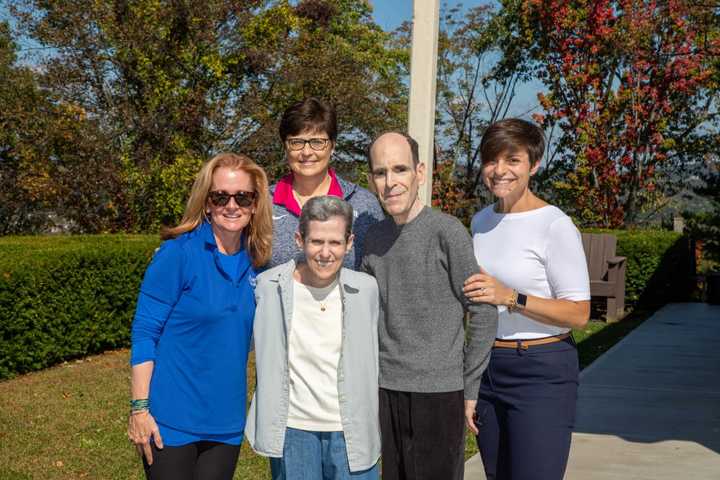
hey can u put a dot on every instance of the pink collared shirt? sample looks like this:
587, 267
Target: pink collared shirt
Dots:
284, 193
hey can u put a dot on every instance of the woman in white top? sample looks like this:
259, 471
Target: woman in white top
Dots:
533, 268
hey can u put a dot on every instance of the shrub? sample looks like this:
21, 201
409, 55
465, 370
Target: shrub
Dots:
659, 265
63, 297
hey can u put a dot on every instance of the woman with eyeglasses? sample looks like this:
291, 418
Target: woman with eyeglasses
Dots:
193, 324
308, 131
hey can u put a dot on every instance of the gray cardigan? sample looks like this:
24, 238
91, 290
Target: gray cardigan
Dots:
357, 369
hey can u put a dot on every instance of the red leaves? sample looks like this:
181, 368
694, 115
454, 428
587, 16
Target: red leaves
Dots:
621, 76
450, 193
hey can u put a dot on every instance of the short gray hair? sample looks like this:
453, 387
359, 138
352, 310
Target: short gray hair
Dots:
323, 208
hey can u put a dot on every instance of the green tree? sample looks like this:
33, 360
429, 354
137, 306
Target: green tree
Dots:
473, 92
168, 84
334, 50
18, 95
48, 148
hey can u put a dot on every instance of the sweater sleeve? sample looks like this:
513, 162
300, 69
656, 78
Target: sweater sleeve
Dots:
159, 292
483, 318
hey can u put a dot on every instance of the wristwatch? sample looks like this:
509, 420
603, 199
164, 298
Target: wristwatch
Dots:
517, 301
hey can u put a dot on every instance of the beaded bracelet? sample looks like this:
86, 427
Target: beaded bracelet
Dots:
139, 405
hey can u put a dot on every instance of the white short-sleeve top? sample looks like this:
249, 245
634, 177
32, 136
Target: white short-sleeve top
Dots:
539, 253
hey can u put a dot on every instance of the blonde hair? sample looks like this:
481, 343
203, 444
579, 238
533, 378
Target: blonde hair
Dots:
258, 233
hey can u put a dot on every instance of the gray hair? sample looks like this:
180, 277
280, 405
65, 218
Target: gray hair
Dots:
323, 208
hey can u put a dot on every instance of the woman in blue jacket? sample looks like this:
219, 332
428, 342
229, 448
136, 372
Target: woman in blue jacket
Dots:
193, 324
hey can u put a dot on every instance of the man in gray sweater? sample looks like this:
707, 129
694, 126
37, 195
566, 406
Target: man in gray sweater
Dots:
430, 369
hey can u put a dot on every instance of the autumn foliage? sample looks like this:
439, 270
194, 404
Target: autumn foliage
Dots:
628, 83
450, 192
109, 107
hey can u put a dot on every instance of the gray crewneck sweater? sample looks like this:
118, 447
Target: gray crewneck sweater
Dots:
420, 268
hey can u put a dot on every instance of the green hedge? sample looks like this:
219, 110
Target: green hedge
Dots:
63, 297
659, 266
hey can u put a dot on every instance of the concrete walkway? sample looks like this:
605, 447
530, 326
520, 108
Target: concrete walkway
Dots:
649, 408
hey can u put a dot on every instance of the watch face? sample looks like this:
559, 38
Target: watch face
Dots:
521, 299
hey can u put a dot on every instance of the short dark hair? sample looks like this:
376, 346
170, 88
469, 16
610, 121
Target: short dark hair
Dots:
309, 114
511, 135
414, 149
323, 208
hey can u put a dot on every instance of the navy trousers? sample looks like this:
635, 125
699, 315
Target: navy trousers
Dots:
526, 411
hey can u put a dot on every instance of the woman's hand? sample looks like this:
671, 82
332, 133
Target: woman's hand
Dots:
483, 288
142, 429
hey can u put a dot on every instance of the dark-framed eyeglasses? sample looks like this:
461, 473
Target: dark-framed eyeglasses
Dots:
316, 144
242, 198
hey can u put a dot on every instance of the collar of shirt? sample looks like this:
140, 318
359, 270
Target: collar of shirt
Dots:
284, 194
244, 261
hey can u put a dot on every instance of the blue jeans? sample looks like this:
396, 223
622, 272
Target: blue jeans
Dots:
314, 456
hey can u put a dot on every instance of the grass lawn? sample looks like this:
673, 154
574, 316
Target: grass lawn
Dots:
68, 422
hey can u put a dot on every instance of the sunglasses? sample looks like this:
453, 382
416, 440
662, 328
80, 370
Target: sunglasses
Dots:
243, 199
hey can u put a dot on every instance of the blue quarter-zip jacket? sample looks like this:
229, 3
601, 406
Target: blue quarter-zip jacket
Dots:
195, 321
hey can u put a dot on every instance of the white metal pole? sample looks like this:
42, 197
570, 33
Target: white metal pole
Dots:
423, 70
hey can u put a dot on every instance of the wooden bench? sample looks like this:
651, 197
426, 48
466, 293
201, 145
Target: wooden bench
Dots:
607, 272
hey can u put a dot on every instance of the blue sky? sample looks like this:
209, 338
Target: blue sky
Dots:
389, 14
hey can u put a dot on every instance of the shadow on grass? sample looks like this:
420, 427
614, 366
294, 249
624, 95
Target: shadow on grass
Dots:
590, 347
653, 282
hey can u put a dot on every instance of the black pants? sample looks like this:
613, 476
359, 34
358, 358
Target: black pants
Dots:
526, 411
195, 461
423, 435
